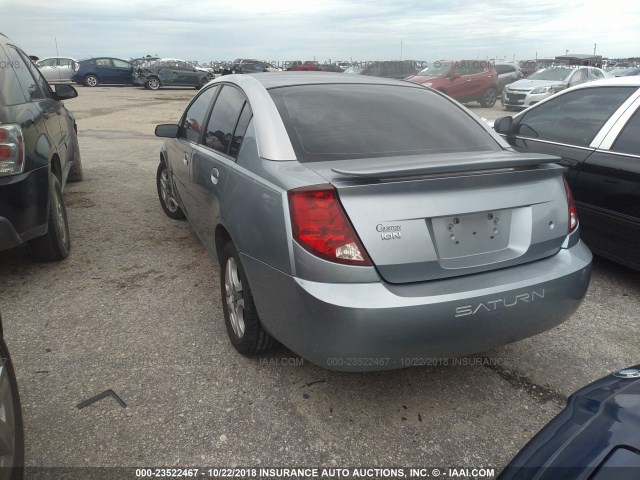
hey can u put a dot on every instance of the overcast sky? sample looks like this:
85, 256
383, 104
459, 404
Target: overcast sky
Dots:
323, 29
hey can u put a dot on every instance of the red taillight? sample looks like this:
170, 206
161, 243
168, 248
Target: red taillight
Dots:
11, 150
573, 213
6, 153
321, 226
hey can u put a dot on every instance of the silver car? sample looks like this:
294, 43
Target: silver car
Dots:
546, 82
57, 69
368, 223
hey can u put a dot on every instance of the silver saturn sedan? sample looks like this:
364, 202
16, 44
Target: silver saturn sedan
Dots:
367, 223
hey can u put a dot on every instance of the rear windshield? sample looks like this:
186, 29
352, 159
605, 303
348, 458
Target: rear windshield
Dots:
552, 74
339, 122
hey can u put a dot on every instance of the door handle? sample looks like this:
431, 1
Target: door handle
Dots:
215, 176
185, 160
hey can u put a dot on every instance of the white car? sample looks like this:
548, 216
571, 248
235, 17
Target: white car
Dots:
546, 82
57, 69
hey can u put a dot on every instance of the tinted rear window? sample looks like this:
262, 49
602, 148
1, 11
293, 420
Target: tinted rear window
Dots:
338, 122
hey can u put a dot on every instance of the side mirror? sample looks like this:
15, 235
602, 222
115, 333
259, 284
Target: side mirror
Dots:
167, 130
64, 91
503, 125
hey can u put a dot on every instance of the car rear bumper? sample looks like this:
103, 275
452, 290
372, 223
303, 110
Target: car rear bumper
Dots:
24, 200
377, 326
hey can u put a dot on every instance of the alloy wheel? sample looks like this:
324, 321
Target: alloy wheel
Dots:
166, 193
234, 297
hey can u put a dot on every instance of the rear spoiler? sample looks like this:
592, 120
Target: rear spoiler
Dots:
433, 166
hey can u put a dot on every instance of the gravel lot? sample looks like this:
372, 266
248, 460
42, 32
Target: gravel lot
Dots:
135, 309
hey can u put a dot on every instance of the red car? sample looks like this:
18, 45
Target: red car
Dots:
309, 65
463, 80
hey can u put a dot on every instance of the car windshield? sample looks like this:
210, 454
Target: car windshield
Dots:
552, 74
620, 72
348, 121
435, 69
165, 62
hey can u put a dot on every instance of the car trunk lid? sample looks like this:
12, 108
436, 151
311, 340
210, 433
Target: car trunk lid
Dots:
427, 217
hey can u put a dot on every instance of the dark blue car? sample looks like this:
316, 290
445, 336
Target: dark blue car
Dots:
95, 71
596, 437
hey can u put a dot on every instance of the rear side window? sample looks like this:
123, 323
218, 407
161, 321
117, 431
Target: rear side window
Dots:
500, 69
193, 121
629, 139
27, 81
37, 75
241, 129
224, 118
120, 63
339, 122
575, 117
10, 90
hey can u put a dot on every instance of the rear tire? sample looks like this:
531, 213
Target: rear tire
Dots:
489, 98
91, 81
55, 244
240, 315
75, 173
153, 83
12, 434
167, 198
202, 83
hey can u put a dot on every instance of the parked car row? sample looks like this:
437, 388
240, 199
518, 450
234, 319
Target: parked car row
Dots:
148, 72
464, 80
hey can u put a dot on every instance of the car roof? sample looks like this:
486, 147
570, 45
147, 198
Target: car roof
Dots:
49, 58
612, 82
104, 56
288, 79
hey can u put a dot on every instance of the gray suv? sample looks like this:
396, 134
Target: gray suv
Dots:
369, 223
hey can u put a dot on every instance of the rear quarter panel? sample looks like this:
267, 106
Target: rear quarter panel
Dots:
254, 208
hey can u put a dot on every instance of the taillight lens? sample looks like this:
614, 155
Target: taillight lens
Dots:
573, 213
11, 150
321, 226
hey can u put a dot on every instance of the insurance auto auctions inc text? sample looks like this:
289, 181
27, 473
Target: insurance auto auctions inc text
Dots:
295, 473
